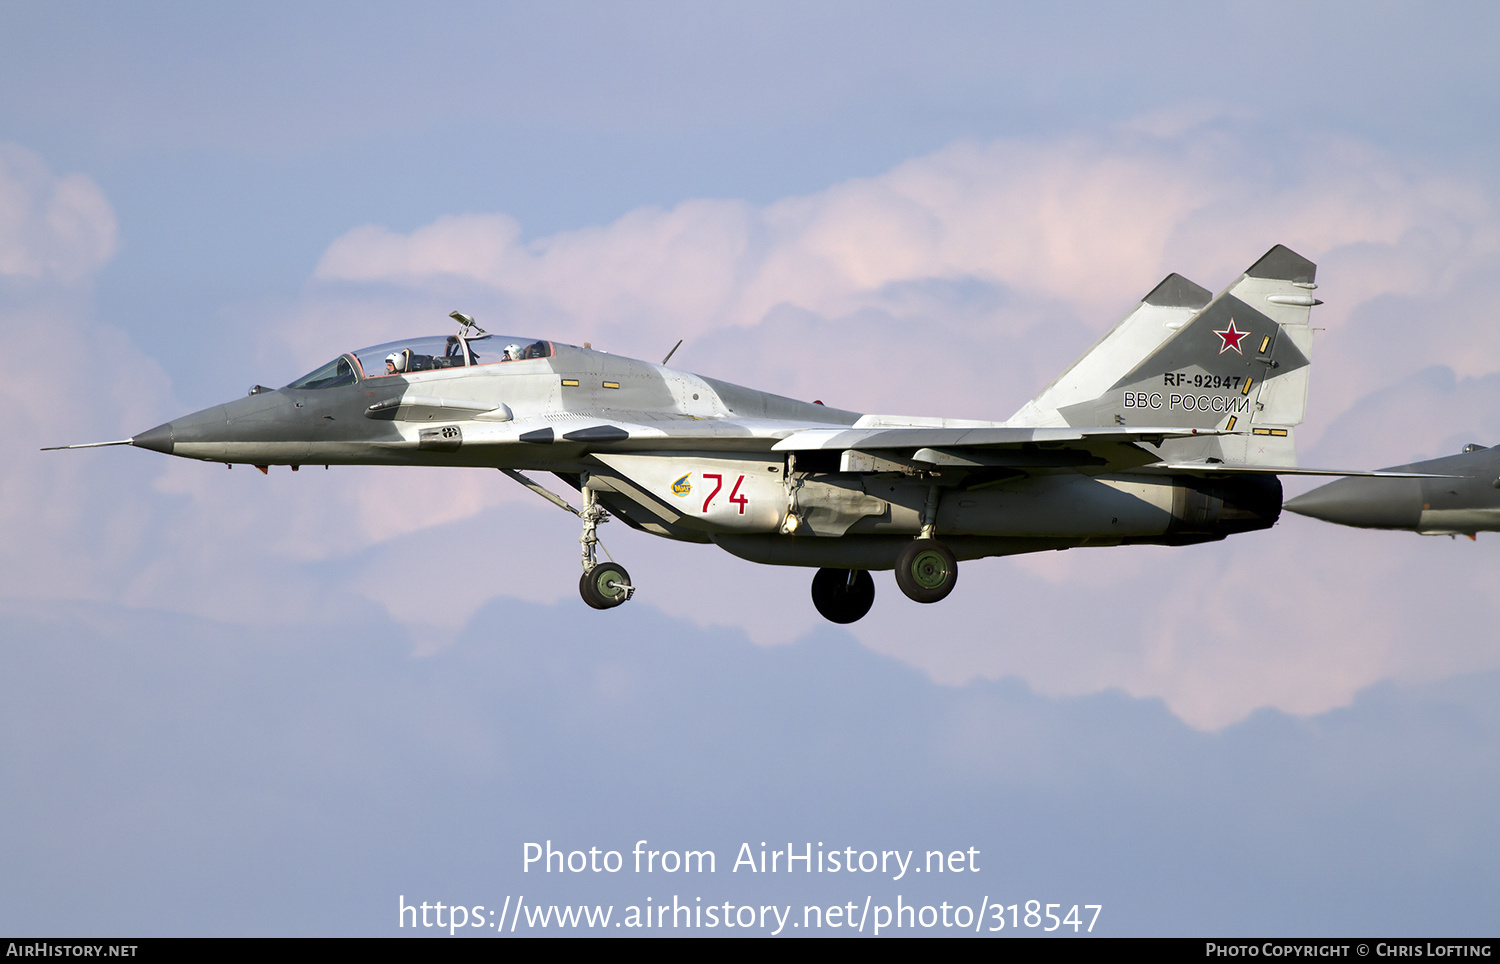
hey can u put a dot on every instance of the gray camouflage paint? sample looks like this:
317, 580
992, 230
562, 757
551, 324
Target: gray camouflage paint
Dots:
845, 490
1463, 505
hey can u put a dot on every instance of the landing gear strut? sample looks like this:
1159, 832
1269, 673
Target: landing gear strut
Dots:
926, 570
601, 586
843, 595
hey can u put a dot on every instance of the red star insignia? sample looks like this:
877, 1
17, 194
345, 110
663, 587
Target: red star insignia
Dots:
1231, 337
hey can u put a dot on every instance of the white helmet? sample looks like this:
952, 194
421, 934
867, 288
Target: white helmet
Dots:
513, 352
397, 360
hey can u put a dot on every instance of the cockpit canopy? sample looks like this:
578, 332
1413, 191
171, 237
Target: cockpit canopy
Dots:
422, 355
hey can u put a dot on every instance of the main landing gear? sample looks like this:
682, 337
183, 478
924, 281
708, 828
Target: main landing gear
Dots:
926, 571
843, 595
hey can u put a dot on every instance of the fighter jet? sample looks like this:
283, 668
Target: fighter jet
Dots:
1171, 430
1461, 498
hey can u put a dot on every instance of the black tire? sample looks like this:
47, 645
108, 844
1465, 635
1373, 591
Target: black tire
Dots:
603, 587
926, 571
583, 590
837, 599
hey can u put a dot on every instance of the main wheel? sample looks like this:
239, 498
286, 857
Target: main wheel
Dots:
605, 586
926, 570
843, 595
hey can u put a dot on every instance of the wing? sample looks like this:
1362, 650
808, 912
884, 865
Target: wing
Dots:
638, 431
1094, 451
1090, 450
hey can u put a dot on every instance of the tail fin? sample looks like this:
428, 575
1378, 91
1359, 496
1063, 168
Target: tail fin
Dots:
1168, 307
1239, 365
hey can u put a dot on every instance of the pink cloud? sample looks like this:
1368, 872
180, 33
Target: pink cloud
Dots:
954, 284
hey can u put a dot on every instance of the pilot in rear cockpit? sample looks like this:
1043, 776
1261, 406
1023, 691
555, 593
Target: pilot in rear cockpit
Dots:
453, 353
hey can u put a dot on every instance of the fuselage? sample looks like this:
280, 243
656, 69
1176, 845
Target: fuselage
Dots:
695, 459
498, 413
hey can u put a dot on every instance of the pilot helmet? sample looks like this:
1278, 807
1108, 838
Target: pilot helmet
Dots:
513, 352
397, 360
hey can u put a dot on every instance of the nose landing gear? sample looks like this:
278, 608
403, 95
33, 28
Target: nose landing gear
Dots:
601, 586
606, 586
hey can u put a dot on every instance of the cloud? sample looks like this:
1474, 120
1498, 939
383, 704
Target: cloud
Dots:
956, 284
1046, 219
51, 227
71, 530
294, 779
1017, 250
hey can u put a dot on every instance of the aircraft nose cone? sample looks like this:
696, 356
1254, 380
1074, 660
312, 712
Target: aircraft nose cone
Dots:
205, 426
1368, 503
158, 439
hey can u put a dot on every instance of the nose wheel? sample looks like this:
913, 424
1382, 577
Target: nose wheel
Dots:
602, 586
926, 570
605, 586
843, 595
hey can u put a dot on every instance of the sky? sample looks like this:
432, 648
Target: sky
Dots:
283, 705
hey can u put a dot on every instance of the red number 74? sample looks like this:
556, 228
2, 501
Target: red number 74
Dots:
734, 493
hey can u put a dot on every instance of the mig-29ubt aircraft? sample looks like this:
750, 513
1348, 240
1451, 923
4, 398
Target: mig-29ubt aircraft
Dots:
1457, 495
1171, 430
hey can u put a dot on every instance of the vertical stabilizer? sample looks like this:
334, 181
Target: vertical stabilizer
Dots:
1239, 365
1280, 285
1156, 318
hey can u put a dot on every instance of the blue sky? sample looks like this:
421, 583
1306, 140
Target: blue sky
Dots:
204, 778
232, 718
